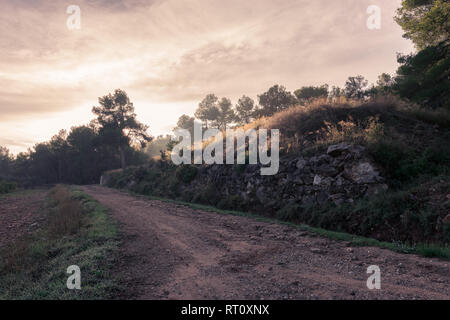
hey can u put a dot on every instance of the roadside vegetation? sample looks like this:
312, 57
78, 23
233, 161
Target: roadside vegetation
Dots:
78, 231
7, 186
413, 154
426, 250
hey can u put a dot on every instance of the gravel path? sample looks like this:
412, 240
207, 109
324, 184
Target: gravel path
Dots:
175, 252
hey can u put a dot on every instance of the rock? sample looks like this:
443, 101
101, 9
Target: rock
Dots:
364, 172
327, 170
338, 198
322, 181
319, 160
317, 180
337, 149
322, 197
446, 219
301, 164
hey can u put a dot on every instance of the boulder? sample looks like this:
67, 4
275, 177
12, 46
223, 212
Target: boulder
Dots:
363, 173
338, 149
301, 164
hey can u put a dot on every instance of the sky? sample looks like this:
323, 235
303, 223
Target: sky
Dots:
169, 54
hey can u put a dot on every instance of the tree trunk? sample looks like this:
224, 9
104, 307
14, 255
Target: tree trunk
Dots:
122, 157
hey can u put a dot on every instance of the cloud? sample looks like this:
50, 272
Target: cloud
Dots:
172, 53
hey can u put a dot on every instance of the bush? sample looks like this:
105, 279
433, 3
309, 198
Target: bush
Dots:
289, 212
233, 202
7, 186
186, 173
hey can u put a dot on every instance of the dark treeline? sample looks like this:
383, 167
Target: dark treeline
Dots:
81, 155
114, 139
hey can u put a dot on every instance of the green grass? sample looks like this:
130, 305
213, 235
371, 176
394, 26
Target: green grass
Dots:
427, 250
41, 261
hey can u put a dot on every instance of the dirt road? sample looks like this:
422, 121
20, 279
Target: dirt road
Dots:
175, 252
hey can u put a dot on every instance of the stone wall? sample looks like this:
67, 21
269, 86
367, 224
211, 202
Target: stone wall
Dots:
342, 174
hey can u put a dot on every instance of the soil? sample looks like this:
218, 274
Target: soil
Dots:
170, 251
19, 214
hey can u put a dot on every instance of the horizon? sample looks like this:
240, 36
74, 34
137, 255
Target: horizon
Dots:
171, 54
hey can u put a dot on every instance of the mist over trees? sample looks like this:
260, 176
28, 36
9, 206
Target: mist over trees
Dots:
116, 139
81, 155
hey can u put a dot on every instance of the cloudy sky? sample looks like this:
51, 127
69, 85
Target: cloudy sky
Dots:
168, 54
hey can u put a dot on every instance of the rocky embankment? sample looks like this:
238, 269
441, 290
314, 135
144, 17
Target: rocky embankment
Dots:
341, 175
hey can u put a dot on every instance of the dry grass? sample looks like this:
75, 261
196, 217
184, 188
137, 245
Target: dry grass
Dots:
66, 218
34, 266
15, 255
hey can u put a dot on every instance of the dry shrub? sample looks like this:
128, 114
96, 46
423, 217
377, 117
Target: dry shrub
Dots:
66, 218
16, 255
358, 132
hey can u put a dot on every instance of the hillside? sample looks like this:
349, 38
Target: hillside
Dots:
378, 169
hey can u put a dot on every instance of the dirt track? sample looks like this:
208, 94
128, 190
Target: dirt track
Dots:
174, 252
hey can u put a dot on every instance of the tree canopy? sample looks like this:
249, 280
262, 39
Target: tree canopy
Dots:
425, 22
245, 110
424, 77
307, 94
207, 109
355, 87
117, 124
274, 100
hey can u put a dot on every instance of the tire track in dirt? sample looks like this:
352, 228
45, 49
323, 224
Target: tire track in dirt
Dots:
175, 252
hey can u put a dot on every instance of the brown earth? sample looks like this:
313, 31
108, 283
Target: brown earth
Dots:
171, 251
19, 214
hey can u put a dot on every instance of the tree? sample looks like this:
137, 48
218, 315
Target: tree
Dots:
207, 109
5, 162
245, 109
336, 92
306, 94
226, 114
59, 148
425, 22
424, 77
158, 146
186, 122
274, 100
85, 162
117, 124
355, 87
